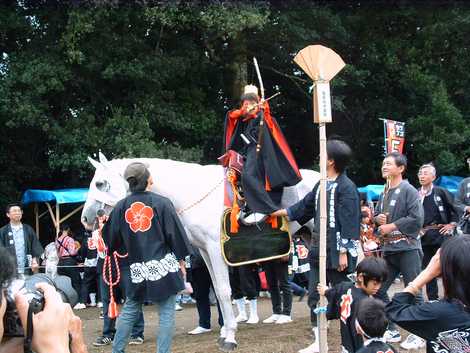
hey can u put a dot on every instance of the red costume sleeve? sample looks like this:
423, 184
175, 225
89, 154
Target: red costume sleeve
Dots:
231, 122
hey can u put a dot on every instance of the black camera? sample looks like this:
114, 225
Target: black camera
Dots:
11, 321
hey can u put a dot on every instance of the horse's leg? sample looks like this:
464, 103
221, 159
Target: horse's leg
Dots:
219, 273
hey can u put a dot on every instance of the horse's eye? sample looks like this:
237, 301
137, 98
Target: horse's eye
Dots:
102, 185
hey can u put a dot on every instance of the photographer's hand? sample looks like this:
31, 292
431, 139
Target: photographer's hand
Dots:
75, 328
13, 345
51, 326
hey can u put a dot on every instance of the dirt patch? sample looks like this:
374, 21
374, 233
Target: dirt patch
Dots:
260, 338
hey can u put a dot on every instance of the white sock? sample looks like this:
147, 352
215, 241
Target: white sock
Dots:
315, 333
93, 298
241, 306
253, 307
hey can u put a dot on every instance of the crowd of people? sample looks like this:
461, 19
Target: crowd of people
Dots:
417, 234
414, 229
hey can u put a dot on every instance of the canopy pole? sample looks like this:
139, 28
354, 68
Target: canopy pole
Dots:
36, 215
57, 218
51, 213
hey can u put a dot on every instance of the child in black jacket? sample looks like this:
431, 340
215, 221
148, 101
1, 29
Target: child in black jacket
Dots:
371, 324
344, 299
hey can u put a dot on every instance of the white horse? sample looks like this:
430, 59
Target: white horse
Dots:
197, 194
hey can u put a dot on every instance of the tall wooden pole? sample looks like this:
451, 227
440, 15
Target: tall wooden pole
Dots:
321, 64
322, 323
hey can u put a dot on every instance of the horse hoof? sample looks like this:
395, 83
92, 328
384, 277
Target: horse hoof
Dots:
220, 341
228, 346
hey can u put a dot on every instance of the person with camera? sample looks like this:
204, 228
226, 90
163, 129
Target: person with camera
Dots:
52, 327
21, 241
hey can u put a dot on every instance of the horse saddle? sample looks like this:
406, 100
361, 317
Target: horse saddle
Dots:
263, 241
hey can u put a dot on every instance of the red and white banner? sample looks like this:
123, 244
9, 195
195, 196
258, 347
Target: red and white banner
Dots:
394, 133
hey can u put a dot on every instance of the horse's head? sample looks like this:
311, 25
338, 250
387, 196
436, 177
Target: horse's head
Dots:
106, 188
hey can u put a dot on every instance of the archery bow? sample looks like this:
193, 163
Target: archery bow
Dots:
261, 121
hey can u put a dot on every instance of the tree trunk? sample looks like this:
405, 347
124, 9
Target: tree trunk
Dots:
237, 69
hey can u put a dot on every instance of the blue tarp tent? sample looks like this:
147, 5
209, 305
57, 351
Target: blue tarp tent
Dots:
61, 196
450, 183
372, 191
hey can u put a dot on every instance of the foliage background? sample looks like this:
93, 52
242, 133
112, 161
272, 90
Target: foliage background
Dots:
156, 78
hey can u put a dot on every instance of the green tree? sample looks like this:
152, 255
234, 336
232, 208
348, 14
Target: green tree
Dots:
156, 81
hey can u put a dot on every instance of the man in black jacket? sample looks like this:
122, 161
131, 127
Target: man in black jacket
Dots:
21, 241
462, 202
440, 219
343, 225
146, 226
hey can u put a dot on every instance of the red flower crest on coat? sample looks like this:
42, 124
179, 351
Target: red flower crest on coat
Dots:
302, 251
345, 306
139, 217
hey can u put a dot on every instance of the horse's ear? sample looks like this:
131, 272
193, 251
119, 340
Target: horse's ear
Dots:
94, 163
102, 158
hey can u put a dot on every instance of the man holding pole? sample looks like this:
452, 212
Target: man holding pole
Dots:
343, 225
399, 217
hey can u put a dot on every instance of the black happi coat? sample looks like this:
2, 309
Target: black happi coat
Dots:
343, 304
273, 166
462, 201
444, 324
443, 204
147, 227
376, 346
343, 222
33, 248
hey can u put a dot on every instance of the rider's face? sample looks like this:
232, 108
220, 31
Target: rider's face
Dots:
250, 106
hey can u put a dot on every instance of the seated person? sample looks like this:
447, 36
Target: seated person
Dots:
269, 164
